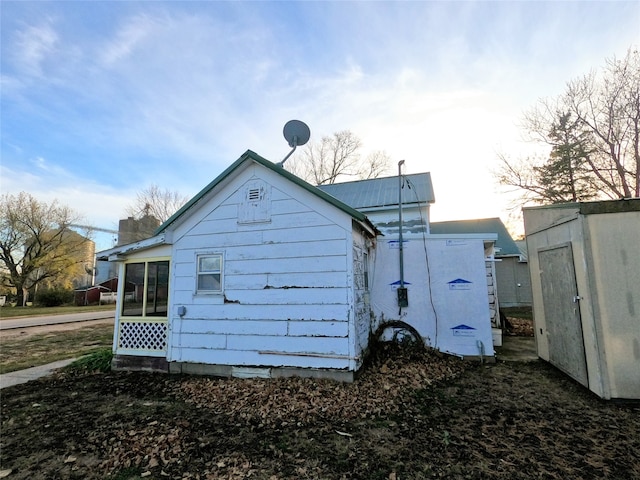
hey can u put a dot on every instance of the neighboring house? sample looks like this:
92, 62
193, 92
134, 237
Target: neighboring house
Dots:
263, 274
379, 198
511, 268
94, 294
585, 276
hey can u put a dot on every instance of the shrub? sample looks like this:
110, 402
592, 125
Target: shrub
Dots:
54, 297
98, 361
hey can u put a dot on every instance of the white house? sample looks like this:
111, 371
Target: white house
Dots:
259, 269
263, 274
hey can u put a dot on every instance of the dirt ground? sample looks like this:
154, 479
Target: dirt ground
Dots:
411, 415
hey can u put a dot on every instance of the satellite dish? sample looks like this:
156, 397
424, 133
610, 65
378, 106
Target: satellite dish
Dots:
295, 133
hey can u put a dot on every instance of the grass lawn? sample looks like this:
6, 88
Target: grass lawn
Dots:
20, 351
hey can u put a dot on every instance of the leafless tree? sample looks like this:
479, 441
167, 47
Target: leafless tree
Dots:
338, 157
602, 137
156, 202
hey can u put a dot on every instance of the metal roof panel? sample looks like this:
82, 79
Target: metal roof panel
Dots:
381, 192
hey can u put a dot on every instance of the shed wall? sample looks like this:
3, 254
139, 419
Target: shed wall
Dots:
569, 231
615, 278
606, 261
514, 282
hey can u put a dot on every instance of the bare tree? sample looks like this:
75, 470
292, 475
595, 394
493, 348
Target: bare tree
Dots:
338, 157
375, 165
593, 130
36, 242
157, 203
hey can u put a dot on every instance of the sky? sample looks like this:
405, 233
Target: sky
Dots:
99, 100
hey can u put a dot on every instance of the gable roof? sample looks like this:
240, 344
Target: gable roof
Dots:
250, 156
383, 192
484, 225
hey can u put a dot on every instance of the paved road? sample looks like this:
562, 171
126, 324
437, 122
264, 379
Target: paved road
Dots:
24, 322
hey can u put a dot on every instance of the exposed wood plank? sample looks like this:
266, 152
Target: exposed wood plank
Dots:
231, 357
310, 265
318, 329
237, 312
278, 251
198, 340
289, 296
317, 279
232, 327
312, 232
319, 345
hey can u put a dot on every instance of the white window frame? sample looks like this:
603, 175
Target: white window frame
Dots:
220, 272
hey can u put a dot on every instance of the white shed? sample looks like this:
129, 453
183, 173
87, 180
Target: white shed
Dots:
584, 260
260, 274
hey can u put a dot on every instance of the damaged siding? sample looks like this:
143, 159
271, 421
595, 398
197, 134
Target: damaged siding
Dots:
285, 297
361, 294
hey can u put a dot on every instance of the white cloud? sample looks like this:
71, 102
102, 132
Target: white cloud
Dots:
127, 38
34, 46
172, 93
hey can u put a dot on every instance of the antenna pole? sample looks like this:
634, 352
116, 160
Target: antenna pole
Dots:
403, 295
295, 145
400, 247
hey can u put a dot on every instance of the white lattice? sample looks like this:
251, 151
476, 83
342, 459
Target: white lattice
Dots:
143, 336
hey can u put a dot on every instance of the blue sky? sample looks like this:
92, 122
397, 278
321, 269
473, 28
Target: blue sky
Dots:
102, 99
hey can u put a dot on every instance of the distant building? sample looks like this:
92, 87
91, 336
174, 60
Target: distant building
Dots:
132, 230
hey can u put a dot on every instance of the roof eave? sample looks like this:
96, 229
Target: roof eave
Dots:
250, 155
121, 252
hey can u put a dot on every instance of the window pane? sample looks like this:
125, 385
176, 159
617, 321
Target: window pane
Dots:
209, 282
158, 289
209, 263
133, 290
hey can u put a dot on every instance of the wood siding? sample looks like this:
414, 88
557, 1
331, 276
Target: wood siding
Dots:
287, 282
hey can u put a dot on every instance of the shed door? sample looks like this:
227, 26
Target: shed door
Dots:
562, 311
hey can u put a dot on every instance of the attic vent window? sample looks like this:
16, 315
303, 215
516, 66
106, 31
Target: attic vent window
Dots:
254, 194
255, 203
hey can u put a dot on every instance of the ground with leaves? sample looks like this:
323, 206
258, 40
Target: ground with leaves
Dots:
410, 415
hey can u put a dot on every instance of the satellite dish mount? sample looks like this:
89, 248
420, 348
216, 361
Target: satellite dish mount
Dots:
296, 133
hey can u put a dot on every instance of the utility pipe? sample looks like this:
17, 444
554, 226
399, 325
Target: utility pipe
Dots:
400, 246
